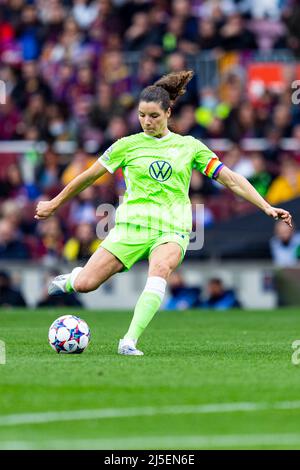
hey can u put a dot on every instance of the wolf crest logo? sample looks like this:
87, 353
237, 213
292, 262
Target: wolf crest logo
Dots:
160, 170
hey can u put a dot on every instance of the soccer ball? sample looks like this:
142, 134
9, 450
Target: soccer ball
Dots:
69, 334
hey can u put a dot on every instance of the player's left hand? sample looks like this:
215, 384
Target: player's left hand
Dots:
278, 213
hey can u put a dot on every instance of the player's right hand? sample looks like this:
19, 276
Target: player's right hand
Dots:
44, 210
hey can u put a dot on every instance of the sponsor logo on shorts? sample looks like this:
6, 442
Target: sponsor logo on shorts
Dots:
180, 235
160, 170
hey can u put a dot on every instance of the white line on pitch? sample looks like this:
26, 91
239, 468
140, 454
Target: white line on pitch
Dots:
107, 413
232, 441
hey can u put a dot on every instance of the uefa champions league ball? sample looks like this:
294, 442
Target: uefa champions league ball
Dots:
69, 334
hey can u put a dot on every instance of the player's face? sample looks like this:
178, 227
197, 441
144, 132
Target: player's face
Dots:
153, 119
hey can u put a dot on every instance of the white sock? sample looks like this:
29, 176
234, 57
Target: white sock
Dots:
73, 277
147, 306
157, 285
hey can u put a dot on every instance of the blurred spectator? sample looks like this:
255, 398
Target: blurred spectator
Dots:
231, 92
263, 112
216, 10
70, 300
10, 120
201, 213
215, 129
9, 296
11, 247
208, 38
237, 161
30, 33
83, 208
285, 245
240, 123
261, 179
104, 107
69, 44
292, 19
116, 73
218, 297
200, 185
116, 129
185, 123
61, 80
85, 12
108, 20
59, 126
282, 120
84, 83
181, 9
209, 110
29, 84
49, 171
147, 74
296, 135
14, 212
172, 35
235, 35
273, 150
13, 186
52, 14
9, 76
286, 186
265, 8
140, 34
80, 162
82, 245
176, 62
51, 240
182, 297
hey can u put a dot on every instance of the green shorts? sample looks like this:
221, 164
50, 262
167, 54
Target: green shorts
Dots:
131, 243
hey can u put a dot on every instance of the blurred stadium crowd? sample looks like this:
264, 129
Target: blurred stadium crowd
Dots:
73, 71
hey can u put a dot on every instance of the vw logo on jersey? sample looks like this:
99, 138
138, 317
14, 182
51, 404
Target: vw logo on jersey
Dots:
160, 170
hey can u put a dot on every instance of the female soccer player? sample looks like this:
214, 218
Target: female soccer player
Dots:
152, 222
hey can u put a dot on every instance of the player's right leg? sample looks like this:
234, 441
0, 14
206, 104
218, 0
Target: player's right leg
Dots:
100, 267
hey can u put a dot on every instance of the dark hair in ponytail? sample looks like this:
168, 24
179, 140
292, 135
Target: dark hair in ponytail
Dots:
167, 89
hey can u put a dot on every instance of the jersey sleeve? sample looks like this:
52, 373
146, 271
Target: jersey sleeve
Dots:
206, 161
115, 156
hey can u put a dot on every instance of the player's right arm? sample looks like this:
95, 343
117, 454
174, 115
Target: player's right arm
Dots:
47, 208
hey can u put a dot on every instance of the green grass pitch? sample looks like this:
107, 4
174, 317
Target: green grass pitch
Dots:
208, 380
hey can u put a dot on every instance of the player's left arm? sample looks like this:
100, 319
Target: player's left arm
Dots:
241, 186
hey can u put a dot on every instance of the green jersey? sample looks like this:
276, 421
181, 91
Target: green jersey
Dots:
157, 174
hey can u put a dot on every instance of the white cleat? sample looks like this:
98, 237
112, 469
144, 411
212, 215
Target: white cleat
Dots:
128, 348
58, 285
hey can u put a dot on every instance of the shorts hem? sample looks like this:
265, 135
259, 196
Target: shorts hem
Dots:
183, 251
111, 251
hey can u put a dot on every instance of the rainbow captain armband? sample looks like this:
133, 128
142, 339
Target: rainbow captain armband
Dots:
213, 168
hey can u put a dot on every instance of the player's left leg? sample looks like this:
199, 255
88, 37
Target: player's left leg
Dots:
163, 261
